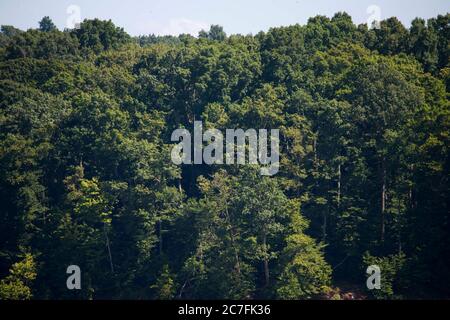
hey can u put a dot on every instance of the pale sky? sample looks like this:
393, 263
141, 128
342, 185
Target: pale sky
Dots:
190, 16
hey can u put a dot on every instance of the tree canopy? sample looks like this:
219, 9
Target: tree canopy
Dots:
86, 177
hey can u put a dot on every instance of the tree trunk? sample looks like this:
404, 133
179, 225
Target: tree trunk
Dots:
236, 254
383, 198
266, 262
339, 186
233, 242
160, 237
315, 151
324, 224
109, 248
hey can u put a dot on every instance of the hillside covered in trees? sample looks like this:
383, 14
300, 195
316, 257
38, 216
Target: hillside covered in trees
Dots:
86, 178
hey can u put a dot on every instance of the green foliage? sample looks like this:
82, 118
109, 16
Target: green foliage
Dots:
100, 35
246, 217
215, 33
86, 178
306, 273
46, 24
42, 45
17, 285
164, 286
391, 270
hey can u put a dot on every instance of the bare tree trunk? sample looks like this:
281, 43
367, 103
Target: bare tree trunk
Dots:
266, 262
160, 237
339, 186
109, 248
233, 242
399, 229
411, 191
315, 150
324, 225
383, 198
236, 254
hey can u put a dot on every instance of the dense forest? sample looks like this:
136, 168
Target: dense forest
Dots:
86, 177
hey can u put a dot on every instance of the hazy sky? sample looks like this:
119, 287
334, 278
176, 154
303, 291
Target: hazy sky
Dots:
189, 16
